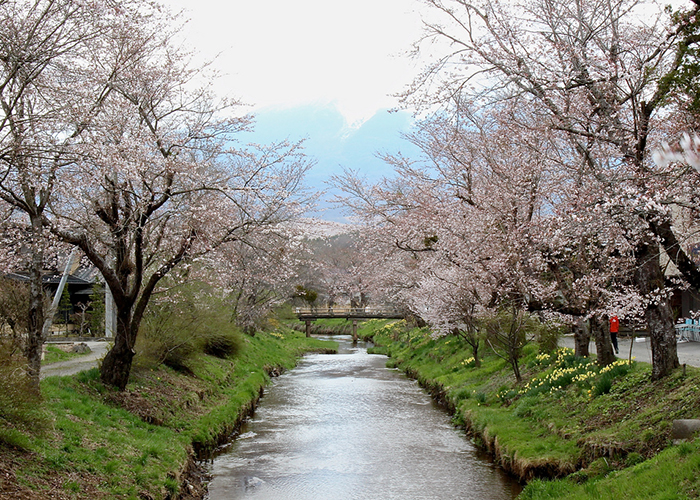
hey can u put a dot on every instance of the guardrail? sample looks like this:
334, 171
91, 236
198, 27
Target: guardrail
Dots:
345, 311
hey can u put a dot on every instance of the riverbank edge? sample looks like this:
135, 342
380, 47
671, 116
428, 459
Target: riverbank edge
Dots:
603, 460
488, 442
481, 436
184, 415
194, 475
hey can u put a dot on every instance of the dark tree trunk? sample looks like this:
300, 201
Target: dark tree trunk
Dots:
582, 339
649, 278
475, 352
603, 345
515, 364
116, 366
35, 324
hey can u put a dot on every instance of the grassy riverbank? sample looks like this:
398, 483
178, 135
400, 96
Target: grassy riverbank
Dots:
89, 441
605, 433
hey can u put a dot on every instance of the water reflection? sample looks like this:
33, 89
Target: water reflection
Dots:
345, 427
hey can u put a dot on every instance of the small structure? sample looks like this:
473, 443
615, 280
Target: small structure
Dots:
310, 314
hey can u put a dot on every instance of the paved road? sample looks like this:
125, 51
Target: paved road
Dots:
78, 364
688, 352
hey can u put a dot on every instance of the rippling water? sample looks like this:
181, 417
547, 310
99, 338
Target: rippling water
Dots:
344, 426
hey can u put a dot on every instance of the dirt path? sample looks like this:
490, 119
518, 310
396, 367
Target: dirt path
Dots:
78, 364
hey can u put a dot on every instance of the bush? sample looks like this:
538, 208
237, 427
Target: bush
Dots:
175, 331
222, 344
603, 385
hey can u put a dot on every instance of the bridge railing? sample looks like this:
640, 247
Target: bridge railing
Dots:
345, 311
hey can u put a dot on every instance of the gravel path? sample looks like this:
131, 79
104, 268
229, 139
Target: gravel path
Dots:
688, 352
77, 364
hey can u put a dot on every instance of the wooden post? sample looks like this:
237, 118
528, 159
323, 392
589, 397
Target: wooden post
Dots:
308, 327
354, 331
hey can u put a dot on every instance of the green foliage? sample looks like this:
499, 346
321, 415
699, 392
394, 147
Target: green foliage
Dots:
175, 332
64, 307
14, 304
97, 310
547, 337
20, 403
681, 84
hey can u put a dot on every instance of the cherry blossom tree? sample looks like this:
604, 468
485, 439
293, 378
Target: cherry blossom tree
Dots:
461, 224
53, 81
597, 72
161, 188
115, 143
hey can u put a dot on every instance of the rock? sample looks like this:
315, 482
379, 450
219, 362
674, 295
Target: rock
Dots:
81, 348
685, 429
252, 481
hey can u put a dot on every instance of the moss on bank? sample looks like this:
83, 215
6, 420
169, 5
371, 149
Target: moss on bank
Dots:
93, 442
603, 433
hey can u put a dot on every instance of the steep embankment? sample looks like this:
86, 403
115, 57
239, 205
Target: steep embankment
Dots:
92, 442
601, 430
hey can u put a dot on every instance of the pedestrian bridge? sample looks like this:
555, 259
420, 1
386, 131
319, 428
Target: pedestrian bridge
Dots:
310, 314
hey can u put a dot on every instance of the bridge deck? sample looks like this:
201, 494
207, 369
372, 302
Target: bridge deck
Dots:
314, 313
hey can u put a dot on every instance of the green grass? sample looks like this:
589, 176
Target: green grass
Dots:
670, 475
105, 444
601, 428
55, 355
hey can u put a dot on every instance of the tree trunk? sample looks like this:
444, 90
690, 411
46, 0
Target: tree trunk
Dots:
514, 362
116, 366
582, 339
649, 278
35, 324
475, 352
603, 345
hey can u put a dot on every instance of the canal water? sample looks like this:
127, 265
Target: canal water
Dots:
344, 427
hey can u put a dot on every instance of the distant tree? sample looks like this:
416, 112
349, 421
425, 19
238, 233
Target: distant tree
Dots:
65, 308
14, 301
97, 310
508, 332
306, 294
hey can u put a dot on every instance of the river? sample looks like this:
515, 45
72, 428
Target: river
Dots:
344, 427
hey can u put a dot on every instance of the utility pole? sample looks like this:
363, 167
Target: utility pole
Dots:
48, 320
110, 313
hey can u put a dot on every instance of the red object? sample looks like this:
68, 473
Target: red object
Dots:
614, 324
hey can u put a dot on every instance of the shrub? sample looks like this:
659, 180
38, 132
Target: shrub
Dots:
222, 344
603, 384
175, 331
547, 337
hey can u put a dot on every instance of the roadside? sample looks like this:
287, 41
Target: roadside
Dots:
98, 349
688, 352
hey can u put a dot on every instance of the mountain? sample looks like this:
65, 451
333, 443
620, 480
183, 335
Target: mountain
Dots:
334, 143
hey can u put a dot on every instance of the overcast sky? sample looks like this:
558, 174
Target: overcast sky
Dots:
288, 53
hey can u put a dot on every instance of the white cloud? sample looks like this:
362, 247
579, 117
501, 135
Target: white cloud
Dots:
283, 53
